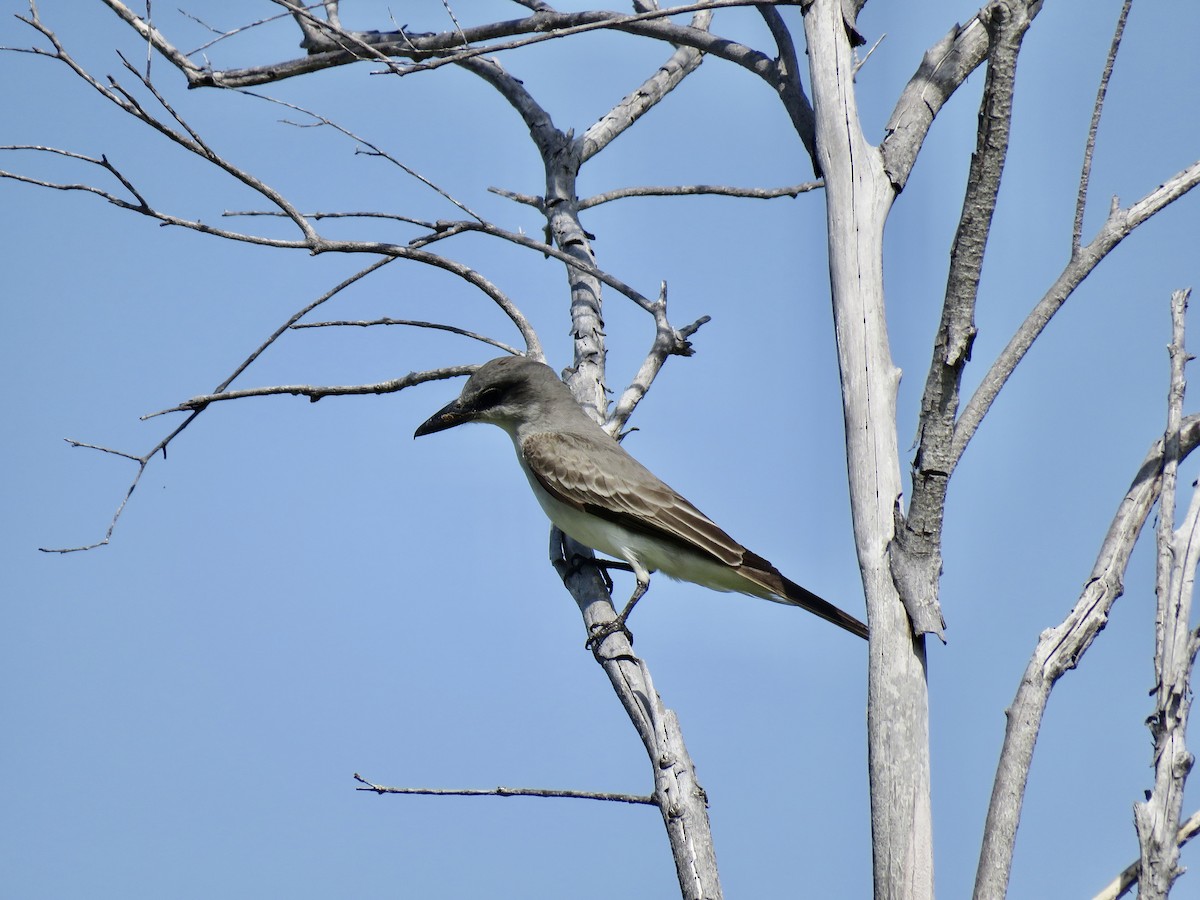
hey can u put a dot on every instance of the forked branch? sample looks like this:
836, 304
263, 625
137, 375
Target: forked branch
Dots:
1059, 649
1157, 819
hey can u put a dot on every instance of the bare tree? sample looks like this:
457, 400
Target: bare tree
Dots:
898, 539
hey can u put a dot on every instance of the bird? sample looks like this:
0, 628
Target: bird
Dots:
594, 491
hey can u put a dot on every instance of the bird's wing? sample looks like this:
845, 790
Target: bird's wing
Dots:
595, 475
599, 477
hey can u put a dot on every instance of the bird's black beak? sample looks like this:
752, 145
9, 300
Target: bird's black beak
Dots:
453, 413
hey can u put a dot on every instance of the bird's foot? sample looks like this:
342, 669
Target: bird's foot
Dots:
602, 631
579, 560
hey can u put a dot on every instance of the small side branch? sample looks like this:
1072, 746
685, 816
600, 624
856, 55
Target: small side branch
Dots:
693, 190
315, 392
502, 791
414, 323
142, 463
1120, 224
645, 96
668, 341
443, 230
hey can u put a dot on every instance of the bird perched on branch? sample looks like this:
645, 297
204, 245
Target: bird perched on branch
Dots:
595, 492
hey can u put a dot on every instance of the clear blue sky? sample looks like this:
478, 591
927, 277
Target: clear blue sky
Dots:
301, 592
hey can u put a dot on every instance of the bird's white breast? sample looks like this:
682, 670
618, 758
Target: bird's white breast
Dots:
645, 554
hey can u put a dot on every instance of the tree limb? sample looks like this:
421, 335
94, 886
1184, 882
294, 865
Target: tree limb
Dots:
1157, 819
1120, 224
916, 555
502, 791
1121, 885
315, 392
1059, 649
942, 71
689, 190
678, 794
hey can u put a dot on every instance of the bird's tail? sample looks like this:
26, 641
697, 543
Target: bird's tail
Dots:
758, 570
806, 599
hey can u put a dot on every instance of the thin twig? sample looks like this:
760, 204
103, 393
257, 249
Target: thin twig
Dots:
450, 229
1120, 224
475, 336
668, 341
1086, 174
688, 190
862, 62
144, 460
396, 217
223, 35
505, 792
316, 392
372, 149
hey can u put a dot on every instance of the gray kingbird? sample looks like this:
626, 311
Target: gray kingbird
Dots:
594, 491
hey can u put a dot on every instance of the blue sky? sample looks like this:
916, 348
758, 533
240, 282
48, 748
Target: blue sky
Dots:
300, 591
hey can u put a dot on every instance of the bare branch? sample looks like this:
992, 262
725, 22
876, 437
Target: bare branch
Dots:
165, 218
646, 96
1121, 885
224, 34
506, 792
916, 556
162, 445
691, 190
499, 345
188, 140
862, 62
942, 71
371, 148
149, 33
315, 392
395, 217
858, 196
668, 341
142, 462
1086, 174
678, 794
788, 84
449, 229
1059, 650
337, 47
1157, 819
1119, 225
444, 229
395, 251
527, 199
298, 315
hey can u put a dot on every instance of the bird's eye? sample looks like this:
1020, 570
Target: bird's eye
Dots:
488, 397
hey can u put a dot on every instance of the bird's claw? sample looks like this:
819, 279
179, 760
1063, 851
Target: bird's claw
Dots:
600, 632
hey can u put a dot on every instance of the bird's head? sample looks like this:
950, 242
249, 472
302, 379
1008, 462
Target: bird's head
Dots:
505, 391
